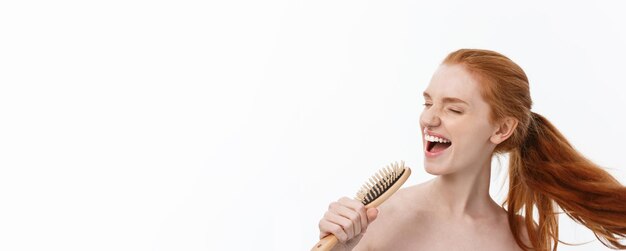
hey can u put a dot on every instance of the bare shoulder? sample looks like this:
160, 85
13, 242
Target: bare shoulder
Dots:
521, 222
409, 201
523, 230
401, 216
406, 221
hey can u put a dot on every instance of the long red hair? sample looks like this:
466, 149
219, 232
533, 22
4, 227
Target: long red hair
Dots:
545, 171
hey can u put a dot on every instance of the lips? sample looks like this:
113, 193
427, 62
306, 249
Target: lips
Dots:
435, 143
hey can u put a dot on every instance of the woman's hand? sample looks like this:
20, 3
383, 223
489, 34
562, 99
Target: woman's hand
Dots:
347, 219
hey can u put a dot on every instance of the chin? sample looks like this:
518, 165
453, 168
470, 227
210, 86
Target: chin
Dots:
435, 169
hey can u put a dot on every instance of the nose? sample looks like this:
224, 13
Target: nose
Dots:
430, 118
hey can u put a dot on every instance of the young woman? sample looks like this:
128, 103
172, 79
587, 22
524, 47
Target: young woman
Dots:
477, 105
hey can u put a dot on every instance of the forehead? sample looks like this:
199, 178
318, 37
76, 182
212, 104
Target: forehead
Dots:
454, 81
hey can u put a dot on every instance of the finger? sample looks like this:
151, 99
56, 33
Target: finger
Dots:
335, 229
346, 217
358, 207
372, 214
353, 226
336, 216
324, 231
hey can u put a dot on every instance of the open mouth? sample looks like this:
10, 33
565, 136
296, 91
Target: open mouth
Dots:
435, 144
435, 147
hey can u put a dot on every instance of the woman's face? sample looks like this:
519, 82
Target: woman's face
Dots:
455, 112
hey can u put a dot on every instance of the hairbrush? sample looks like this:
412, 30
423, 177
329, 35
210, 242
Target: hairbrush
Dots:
373, 193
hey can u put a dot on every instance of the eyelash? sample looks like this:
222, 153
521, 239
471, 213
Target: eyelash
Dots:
455, 111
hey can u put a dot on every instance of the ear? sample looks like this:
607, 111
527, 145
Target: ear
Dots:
504, 129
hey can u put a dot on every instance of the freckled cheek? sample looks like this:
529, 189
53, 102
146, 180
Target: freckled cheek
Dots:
466, 134
460, 128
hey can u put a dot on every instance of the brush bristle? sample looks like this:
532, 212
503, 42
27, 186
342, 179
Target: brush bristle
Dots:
380, 182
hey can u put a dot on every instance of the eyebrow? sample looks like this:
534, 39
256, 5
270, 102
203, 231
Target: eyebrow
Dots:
448, 99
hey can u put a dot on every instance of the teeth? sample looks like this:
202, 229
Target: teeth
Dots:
435, 139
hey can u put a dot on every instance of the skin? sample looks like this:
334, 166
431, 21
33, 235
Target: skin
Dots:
452, 211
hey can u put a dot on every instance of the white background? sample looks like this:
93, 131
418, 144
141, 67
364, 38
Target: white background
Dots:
231, 125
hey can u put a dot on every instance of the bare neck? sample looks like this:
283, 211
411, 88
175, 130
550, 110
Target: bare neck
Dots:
463, 194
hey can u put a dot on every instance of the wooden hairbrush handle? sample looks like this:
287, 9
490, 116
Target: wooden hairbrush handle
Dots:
328, 242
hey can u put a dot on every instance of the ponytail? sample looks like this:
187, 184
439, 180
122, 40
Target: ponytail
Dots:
547, 173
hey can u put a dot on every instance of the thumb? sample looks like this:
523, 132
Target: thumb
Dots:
372, 214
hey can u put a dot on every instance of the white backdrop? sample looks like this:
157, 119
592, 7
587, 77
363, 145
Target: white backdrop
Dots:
231, 125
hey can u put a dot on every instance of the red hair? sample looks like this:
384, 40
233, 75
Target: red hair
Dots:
545, 171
